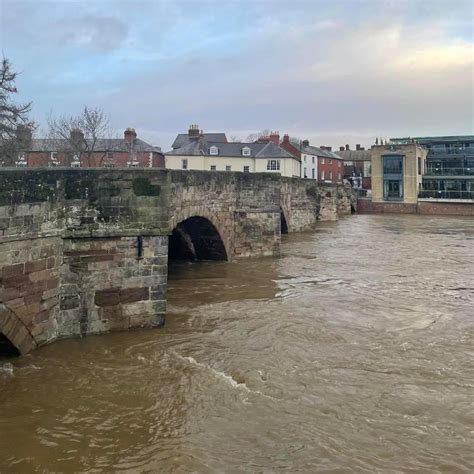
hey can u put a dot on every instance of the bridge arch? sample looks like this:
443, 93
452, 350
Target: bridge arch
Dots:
15, 339
196, 238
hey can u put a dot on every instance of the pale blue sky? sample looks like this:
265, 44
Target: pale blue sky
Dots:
335, 71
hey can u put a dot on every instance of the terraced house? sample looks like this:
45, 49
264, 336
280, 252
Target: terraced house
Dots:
78, 152
213, 152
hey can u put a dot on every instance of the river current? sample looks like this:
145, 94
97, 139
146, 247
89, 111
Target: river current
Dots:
353, 352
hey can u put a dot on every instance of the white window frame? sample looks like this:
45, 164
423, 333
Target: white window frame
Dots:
184, 164
213, 150
322, 175
322, 161
213, 168
273, 165
330, 176
246, 169
75, 164
246, 151
228, 167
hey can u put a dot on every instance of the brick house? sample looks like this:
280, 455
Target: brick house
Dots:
318, 163
126, 152
357, 166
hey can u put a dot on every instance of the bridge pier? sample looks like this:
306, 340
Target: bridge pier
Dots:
86, 251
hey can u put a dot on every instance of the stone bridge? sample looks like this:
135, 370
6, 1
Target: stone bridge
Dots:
86, 251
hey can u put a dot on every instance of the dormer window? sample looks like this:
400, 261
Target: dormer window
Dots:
53, 159
245, 151
213, 150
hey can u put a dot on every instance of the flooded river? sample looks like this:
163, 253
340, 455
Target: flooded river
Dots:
354, 352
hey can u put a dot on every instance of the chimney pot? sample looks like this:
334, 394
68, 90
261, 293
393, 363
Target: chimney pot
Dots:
358, 146
305, 142
347, 147
129, 135
193, 130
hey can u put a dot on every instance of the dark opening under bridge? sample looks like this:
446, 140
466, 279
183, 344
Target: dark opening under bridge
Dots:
86, 251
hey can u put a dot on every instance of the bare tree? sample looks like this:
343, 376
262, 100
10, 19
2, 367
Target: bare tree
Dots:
253, 137
81, 136
15, 126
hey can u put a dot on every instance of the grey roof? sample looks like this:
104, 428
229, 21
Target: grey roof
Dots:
103, 144
233, 149
314, 150
354, 155
184, 139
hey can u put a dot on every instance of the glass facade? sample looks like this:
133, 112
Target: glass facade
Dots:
393, 177
449, 167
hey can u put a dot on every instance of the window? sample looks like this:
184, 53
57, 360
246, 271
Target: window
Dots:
273, 165
304, 173
330, 162
213, 150
21, 162
312, 160
419, 165
339, 177
304, 158
322, 161
312, 171
330, 176
339, 164
75, 164
393, 164
245, 151
246, 169
322, 175
228, 168
184, 164
213, 167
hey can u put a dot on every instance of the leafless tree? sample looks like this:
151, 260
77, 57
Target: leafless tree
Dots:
255, 136
15, 126
81, 136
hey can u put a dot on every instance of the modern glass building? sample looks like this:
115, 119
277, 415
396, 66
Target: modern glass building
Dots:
449, 166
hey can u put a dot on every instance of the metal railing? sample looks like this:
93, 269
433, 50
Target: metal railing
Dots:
429, 194
451, 151
447, 171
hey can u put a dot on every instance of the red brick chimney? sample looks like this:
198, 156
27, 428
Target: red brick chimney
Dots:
193, 130
286, 138
275, 137
129, 135
305, 142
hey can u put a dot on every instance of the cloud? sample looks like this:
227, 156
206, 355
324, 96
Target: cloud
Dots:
322, 69
97, 33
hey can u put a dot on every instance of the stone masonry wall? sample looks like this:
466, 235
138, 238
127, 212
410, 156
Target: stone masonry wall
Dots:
84, 251
81, 251
242, 207
304, 202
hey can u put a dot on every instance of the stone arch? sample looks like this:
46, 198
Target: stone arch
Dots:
196, 238
283, 222
15, 339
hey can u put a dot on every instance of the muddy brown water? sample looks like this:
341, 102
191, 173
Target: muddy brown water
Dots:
353, 352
